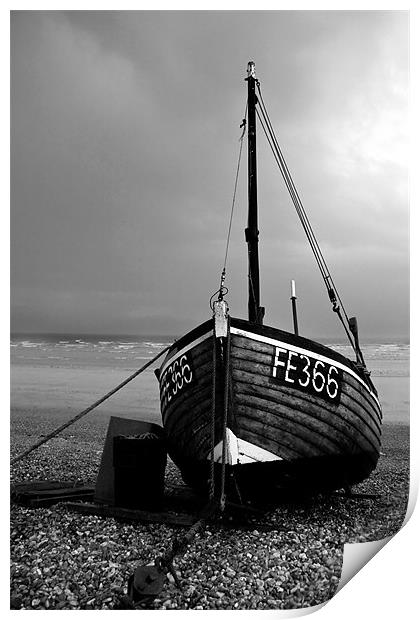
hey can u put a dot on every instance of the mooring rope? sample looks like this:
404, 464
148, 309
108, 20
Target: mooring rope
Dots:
57, 431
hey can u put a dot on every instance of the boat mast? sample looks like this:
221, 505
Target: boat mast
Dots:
255, 311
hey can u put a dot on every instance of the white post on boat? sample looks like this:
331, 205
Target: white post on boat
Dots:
220, 309
294, 310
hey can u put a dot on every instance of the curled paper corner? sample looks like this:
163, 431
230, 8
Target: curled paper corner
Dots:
413, 495
356, 555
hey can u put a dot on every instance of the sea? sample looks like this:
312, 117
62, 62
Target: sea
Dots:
388, 361
75, 351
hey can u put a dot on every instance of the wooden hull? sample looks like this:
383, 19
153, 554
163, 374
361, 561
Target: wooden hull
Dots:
298, 415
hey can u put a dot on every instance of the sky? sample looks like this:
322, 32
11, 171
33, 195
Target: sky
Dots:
124, 146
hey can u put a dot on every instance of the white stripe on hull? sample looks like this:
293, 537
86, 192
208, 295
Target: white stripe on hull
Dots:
187, 347
239, 452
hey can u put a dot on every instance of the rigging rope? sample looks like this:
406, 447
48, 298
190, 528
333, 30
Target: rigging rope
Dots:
252, 283
58, 430
223, 290
241, 140
326, 275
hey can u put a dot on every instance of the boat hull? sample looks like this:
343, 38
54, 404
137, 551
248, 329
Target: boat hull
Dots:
298, 415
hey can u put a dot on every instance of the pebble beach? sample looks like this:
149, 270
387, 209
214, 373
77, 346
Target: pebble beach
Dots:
290, 557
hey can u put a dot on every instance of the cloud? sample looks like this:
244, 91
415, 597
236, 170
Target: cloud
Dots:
125, 129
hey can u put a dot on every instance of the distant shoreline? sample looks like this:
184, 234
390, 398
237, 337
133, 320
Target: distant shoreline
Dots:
95, 336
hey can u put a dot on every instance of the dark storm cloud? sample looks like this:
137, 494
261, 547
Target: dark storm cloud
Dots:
125, 130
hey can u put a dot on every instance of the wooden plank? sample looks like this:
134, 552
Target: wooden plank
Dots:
276, 433
81, 490
40, 502
345, 414
281, 445
354, 390
301, 438
261, 355
349, 408
307, 425
199, 396
202, 353
37, 494
142, 516
193, 408
257, 428
341, 420
44, 485
195, 444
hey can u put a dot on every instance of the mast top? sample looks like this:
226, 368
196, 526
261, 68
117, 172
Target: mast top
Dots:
251, 70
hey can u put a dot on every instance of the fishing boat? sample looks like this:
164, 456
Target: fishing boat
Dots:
248, 408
